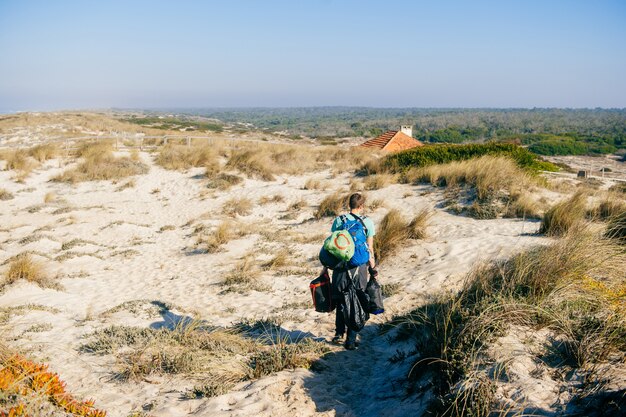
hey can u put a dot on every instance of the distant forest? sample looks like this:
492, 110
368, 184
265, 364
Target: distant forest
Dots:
545, 131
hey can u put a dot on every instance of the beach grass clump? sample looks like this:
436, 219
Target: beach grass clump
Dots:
608, 208
574, 287
312, 184
244, 275
189, 347
255, 164
494, 186
237, 207
378, 181
223, 233
395, 230
223, 181
564, 215
276, 198
280, 354
332, 205
44, 151
181, 157
5, 195
616, 229
99, 163
24, 267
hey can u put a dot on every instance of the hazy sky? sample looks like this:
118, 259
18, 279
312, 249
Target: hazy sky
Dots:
99, 54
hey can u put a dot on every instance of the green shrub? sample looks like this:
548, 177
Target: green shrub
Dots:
441, 154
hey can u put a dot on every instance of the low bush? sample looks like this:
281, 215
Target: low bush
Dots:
440, 154
29, 388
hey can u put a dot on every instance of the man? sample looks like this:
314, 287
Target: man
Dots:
356, 203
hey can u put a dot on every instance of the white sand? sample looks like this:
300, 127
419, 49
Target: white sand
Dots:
162, 265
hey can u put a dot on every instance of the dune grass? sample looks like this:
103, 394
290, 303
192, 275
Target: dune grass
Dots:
564, 215
332, 205
394, 231
616, 229
99, 163
24, 267
237, 207
5, 195
494, 185
217, 357
181, 157
572, 287
44, 151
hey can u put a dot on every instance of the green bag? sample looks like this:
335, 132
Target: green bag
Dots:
340, 244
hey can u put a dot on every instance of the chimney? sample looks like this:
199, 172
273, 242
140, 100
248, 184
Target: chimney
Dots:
407, 130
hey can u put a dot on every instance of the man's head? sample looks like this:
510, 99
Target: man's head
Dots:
357, 201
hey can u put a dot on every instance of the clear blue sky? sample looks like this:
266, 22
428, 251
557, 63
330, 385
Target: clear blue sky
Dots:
519, 53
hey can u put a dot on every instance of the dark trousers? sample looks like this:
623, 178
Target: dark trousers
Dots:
360, 280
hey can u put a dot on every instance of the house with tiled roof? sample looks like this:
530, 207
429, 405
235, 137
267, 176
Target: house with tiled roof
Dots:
394, 140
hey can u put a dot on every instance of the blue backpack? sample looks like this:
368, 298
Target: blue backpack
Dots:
358, 230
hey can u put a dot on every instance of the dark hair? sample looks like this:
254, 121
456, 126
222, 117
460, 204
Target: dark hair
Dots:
357, 200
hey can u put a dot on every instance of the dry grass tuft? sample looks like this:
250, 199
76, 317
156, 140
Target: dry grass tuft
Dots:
50, 197
25, 267
237, 207
221, 235
417, 226
5, 195
280, 260
253, 163
276, 198
378, 181
333, 205
223, 181
244, 275
313, 184
44, 152
500, 186
564, 215
608, 208
180, 157
394, 230
616, 229
99, 163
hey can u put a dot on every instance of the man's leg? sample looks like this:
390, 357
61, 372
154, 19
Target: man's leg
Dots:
340, 325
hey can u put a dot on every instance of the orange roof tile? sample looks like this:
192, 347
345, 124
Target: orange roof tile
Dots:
392, 141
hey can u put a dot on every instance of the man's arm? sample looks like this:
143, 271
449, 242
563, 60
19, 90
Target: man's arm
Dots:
370, 247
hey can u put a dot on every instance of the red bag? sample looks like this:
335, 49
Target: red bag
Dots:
322, 294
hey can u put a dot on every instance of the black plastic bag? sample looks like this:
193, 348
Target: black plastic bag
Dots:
355, 305
375, 294
322, 294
